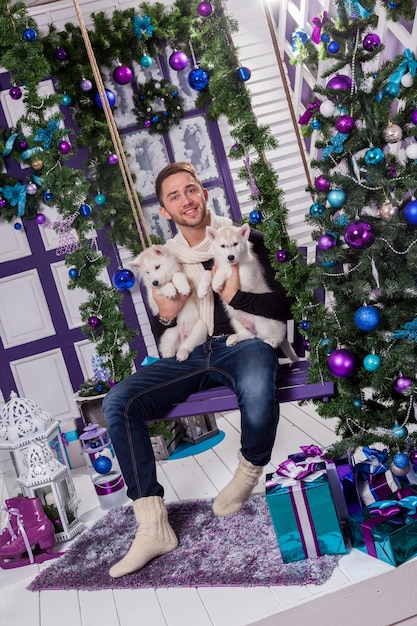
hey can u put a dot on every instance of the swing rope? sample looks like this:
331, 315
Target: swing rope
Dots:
135, 204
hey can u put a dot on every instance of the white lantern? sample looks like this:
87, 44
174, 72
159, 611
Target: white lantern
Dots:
44, 477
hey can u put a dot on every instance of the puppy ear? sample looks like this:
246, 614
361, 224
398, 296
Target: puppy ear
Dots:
159, 249
245, 231
211, 233
135, 264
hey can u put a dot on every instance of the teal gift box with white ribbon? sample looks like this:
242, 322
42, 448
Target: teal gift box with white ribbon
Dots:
302, 511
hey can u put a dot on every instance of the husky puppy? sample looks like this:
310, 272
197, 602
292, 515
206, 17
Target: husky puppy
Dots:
231, 246
160, 269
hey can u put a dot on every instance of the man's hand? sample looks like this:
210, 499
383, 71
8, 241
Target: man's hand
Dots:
169, 307
231, 286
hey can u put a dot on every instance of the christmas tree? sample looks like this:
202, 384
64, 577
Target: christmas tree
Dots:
364, 219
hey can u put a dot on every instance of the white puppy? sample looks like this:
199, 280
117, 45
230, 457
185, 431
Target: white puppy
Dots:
160, 269
231, 246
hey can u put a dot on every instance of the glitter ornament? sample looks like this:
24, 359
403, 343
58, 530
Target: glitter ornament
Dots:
327, 263
198, 79
31, 189
64, 147
86, 85
411, 151
123, 279
29, 34
367, 318
400, 465
391, 90
410, 212
372, 362
371, 41
336, 198
204, 9
373, 156
359, 235
388, 210
344, 124
15, 93
402, 383
40, 218
37, 164
122, 74
111, 99
61, 54
392, 133
112, 159
321, 183
327, 108
102, 464
317, 210
407, 80
178, 60
342, 363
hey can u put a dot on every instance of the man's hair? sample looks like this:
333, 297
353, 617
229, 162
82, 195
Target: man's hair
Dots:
169, 170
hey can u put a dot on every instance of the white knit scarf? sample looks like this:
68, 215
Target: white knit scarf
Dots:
192, 258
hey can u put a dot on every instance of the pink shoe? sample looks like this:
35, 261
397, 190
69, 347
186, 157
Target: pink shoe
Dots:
34, 529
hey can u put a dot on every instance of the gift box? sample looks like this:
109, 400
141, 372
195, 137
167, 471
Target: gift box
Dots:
71, 443
339, 474
386, 530
374, 479
303, 513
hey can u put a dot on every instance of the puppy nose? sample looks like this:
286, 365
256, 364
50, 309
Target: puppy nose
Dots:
231, 257
155, 283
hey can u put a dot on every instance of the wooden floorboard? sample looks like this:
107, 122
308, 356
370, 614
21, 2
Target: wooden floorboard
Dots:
366, 588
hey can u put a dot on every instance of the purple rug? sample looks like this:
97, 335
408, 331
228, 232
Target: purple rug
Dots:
240, 550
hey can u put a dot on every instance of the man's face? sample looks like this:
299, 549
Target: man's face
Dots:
184, 200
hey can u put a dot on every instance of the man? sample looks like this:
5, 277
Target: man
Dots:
250, 368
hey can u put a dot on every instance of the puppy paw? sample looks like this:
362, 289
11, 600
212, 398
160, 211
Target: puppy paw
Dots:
232, 340
168, 291
182, 355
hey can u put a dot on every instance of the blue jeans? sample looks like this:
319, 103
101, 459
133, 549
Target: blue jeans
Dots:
249, 368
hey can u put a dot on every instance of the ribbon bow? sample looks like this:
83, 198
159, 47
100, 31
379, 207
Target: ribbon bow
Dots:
290, 473
355, 9
407, 64
16, 196
389, 508
375, 464
44, 135
142, 26
318, 25
9, 144
312, 107
336, 144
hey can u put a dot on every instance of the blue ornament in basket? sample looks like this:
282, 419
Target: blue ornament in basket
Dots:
102, 464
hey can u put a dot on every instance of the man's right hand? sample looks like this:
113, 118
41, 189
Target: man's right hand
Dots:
169, 307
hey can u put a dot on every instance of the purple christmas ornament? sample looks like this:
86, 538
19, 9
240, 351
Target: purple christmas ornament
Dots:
112, 159
326, 242
344, 124
93, 321
64, 147
413, 116
15, 93
342, 363
321, 183
281, 256
359, 235
402, 383
204, 9
178, 60
61, 54
122, 74
371, 41
40, 218
340, 81
86, 85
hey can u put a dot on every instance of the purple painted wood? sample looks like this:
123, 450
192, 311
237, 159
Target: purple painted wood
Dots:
293, 387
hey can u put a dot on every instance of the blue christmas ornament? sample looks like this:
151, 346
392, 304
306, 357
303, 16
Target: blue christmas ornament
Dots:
198, 79
325, 37
333, 47
399, 431
315, 124
367, 318
410, 212
401, 460
29, 34
372, 362
47, 196
317, 210
102, 464
73, 273
17, 226
305, 325
123, 279
243, 74
391, 90
66, 100
85, 210
111, 99
336, 198
255, 217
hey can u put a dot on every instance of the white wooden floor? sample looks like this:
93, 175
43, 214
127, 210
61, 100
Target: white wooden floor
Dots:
362, 590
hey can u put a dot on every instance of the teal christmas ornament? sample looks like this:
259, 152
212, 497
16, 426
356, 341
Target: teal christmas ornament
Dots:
146, 61
317, 210
357, 402
315, 124
100, 199
66, 100
123, 279
102, 464
372, 362
373, 156
327, 263
336, 198
399, 431
367, 318
391, 90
